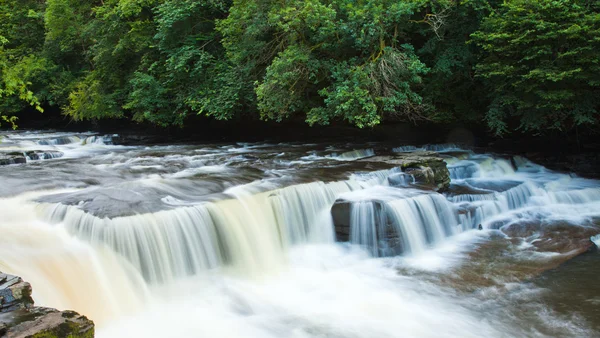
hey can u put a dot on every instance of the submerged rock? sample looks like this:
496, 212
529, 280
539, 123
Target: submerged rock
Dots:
19, 318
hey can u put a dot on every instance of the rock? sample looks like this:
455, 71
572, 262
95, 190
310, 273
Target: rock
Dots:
12, 158
15, 294
559, 237
21, 319
428, 169
43, 322
340, 211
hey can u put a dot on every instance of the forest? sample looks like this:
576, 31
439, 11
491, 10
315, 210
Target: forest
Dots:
530, 66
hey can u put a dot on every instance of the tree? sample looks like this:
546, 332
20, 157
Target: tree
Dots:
329, 60
22, 71
540, 63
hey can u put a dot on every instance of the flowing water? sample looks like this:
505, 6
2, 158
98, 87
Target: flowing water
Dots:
237, 240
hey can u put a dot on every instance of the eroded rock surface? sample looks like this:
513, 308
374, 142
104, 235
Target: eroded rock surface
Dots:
19, 318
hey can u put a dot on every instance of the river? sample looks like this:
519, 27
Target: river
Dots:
237, 240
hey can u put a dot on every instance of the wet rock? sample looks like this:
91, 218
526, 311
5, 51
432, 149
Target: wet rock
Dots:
19, 318
558, 237
464, 189
12, 158
15, 294
427, 168
340, 211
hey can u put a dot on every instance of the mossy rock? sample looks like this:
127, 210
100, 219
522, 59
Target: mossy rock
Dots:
20, 319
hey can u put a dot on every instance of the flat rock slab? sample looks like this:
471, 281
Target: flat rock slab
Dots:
46, 322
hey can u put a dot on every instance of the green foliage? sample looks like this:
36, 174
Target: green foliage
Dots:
541, 64
328, 60
21, 36
512, 63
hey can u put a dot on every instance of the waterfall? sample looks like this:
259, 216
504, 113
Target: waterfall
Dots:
239, 240
365, 217
388, 221
65, 272
248, 231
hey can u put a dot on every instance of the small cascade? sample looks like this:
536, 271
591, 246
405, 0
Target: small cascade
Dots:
477, 208
379, 177
389, 221
42, 155
365, 216
462, 170
423, 220
479, 166
65, 140
579, 196
444, 147
405, 149
97, 139
62, 140
513, 198
354, 155
596, 240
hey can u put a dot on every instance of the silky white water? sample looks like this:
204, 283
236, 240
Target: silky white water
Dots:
239, 241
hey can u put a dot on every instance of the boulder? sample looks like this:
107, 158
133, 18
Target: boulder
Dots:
15, 294
12, 158
21, 319
340, 212
427, 168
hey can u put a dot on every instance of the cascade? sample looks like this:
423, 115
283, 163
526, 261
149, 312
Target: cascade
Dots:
353, 155
389, 221
66, 273
248, 231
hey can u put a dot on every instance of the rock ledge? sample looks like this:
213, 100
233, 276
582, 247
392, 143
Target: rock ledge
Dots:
19, 318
